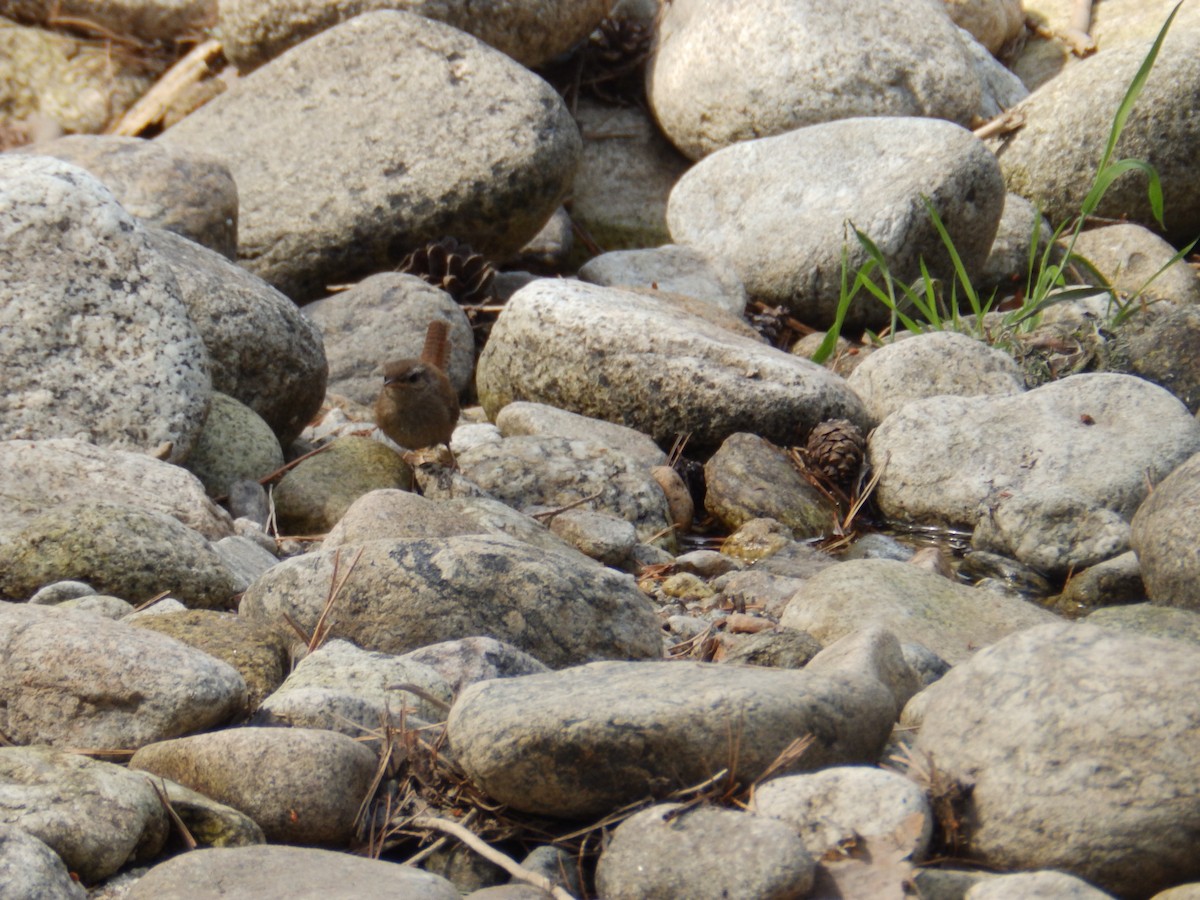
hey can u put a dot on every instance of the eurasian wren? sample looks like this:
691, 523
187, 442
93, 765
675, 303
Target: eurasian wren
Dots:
418, 407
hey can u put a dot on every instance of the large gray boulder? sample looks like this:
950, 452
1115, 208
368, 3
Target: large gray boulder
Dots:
261, 350
186, 193
1080, 746
119, 549
399, 595
782, 209
95, 340
73, 679
301, 785
584, 741
663, 366
915, 604
36, 476
402, 130
728, 72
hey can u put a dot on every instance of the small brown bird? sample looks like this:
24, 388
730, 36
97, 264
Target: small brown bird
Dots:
418, 407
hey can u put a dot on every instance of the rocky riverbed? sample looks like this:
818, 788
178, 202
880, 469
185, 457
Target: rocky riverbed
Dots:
683, 613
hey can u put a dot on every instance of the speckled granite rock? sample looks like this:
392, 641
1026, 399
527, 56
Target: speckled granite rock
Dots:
39, 475
122, 550
928, 365
399, 595
301, 785
341, 688
727, 72
1103, 717
96, 339
189, 194
1050, 477
577, 742
704, 853
235, 445
29, 868
750, 478
663, 367
259, 654
59, 797
261, 350
316, 493
1051, 160
73, 679
258, 871
541, 471
782, 209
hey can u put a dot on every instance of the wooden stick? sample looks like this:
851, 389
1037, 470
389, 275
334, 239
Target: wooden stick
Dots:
154, 103
491, 854
1007, 121
1078, 32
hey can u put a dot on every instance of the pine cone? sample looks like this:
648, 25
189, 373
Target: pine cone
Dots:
835, 449
614, 59
455, 268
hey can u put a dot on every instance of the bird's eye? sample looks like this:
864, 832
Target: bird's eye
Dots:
415, 375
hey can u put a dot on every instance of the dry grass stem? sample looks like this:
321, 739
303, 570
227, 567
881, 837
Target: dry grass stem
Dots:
161, 790
321, 629
419, 691
677, 447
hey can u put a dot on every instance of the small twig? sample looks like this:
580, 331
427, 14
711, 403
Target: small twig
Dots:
683, 648
437, 845
153, 105
586, 239
148, 603
663, 532
491, 854
295, 462
161, 791
1006, 122
551, 513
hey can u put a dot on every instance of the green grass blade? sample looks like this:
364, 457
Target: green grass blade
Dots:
1135, 89
960, 270
1111, 173
845, 298
1127, 308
